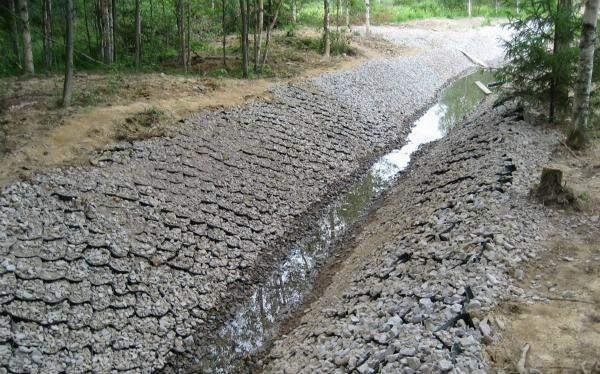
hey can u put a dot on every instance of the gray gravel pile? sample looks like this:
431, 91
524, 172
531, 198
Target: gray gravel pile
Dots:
383, 85
460, 225
119, 266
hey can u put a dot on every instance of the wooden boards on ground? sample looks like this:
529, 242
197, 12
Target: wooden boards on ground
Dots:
483, 88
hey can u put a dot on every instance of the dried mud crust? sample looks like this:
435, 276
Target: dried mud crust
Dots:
119, 266
418, 281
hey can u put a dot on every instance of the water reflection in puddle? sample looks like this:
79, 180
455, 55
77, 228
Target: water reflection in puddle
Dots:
257, 320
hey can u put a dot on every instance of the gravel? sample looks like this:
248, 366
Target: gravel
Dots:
429, 294
120, 265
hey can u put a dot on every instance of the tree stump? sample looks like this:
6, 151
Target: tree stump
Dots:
550, 190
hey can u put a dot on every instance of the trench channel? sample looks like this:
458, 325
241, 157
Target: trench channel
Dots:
256, 322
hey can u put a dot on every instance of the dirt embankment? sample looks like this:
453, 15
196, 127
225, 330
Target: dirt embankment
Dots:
36, 134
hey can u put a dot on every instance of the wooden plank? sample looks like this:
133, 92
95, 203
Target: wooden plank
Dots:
475, 60
483, 88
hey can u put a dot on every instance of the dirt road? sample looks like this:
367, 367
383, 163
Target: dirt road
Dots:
121, 266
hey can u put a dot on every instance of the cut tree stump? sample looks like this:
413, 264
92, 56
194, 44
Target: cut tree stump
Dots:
550, 190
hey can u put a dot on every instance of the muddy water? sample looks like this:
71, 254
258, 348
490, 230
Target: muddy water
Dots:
257, 320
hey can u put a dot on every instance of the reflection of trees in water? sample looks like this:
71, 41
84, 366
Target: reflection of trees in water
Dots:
461, 98
356, 201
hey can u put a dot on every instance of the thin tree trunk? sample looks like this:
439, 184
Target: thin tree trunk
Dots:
347, 14
113, 28
15, 32
259, 29
263, 60
469, 7
68, 86
518, 10
47, 21
337, 15
586, 66
294, 12
326, 36
224, 33
87, 27
164, 17
559, 90
107, 36
27, 51
188, 37
243, 40
138, 33
98, 28
180, 31
367, 17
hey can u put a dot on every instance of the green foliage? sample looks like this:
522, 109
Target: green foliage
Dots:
537, 72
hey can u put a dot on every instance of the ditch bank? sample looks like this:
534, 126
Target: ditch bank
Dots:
418, 280
126, 264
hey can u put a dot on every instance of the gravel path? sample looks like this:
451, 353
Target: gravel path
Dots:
119, 266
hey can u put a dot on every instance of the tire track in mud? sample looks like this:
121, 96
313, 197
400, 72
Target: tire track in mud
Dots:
117, 267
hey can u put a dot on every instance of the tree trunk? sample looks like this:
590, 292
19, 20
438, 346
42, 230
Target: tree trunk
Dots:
47, 21
27, 51
337, 15
326, 36
244, 39
15, 31
347, 14
586, 66
113, 28
268, 36
87, 28
138, 33
258, 33
188, 36
68, 86
367, 17
469, 6
518, 8
224, 33
106, 30
294, 12
180, 31
559, 89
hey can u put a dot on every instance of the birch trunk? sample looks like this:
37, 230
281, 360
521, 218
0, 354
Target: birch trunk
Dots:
68, 86
268, 36
367, 17
47, 22
294, 12
138, 33
326, 36
27, 51
469, 7
347, 14
586, 65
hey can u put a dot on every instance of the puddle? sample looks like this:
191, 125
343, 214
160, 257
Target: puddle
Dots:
257, 320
